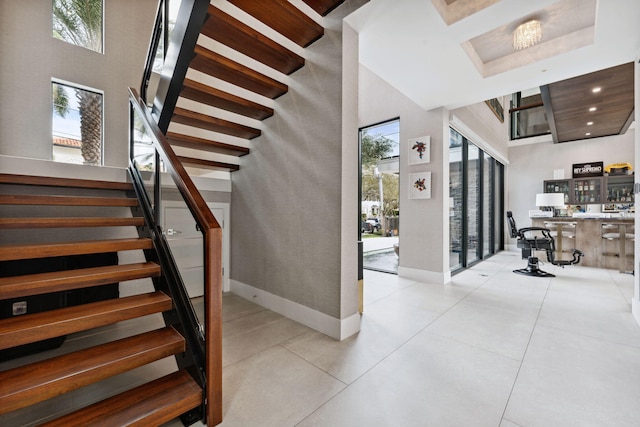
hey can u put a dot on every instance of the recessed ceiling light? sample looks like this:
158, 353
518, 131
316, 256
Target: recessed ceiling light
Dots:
592, 109
588, 133
596, 89
589, 123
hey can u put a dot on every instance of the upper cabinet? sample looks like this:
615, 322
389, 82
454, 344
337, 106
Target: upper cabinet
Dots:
595, 190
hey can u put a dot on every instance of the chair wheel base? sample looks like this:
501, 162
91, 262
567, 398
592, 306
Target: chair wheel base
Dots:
535, 273
533, 270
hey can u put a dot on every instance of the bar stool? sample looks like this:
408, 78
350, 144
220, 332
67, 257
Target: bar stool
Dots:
561, 230
622, 232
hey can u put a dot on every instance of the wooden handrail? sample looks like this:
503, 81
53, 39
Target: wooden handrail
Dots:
212, 248
205, 219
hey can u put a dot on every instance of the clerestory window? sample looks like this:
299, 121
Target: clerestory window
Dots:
79, 22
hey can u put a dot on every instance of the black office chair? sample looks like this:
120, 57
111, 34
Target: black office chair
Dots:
529, 242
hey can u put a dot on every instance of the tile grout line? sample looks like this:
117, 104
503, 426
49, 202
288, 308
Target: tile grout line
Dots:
524, 355
388, 355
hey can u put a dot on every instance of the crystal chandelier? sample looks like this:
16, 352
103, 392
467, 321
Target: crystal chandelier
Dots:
527, 34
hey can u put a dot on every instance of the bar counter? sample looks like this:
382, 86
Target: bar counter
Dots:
598, 251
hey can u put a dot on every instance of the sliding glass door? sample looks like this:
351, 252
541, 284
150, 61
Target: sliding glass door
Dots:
475, 203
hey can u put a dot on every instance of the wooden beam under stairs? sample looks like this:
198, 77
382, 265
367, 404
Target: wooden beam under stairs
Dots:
323, 7
69, 222
231, 32
35, 327
66, 280
147, 405
63, 182
218, 66
216, 98
209, 164
43, 250
26, 385
285, 18
202, 121
195, 143
34, 199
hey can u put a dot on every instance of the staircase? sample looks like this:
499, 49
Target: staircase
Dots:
220, 98
27, 384
205, 110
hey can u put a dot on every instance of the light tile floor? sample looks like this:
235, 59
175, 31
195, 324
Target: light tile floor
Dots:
492, 348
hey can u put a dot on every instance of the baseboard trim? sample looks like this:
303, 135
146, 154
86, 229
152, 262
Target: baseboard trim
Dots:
425, 275
338, 329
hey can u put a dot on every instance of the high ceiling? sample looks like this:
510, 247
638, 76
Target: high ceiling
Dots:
409, 44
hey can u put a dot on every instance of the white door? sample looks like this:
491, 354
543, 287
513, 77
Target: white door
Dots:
186, 243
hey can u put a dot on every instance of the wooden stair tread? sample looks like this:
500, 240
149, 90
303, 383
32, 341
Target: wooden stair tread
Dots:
323, 7
216, 98
42, 283
29, 328
209, 164
231, 32
285, 18
223, 68
153, 403
205, 144
34, 199
43, 250
202, 121
6, 178
26, 385
69, 222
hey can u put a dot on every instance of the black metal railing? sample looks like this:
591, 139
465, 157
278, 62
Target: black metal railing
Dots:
155, 168
158, 34
178, 42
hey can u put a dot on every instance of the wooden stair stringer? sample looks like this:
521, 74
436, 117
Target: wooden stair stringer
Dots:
209, 164
34, 199
66, 280
220, 67
63, 182
203, 121
70, 222
284, 18
235, 34
208, 95
202, 144
29, 328
26, 385
45, 250
153, 403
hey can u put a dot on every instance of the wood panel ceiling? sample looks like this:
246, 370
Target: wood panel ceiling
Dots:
575, 111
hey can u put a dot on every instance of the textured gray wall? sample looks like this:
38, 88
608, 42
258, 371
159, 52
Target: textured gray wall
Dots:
31, 58
286, 197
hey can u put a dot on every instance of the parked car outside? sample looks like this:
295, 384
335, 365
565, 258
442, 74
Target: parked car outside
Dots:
371, 225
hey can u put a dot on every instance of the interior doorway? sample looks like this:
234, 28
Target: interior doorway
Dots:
186, 243
379, 196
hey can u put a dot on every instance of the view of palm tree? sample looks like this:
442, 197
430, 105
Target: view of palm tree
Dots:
80, 22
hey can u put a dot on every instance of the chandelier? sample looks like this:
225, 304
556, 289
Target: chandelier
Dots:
527, 34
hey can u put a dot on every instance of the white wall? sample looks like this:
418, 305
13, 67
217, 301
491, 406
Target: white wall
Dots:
481, 126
